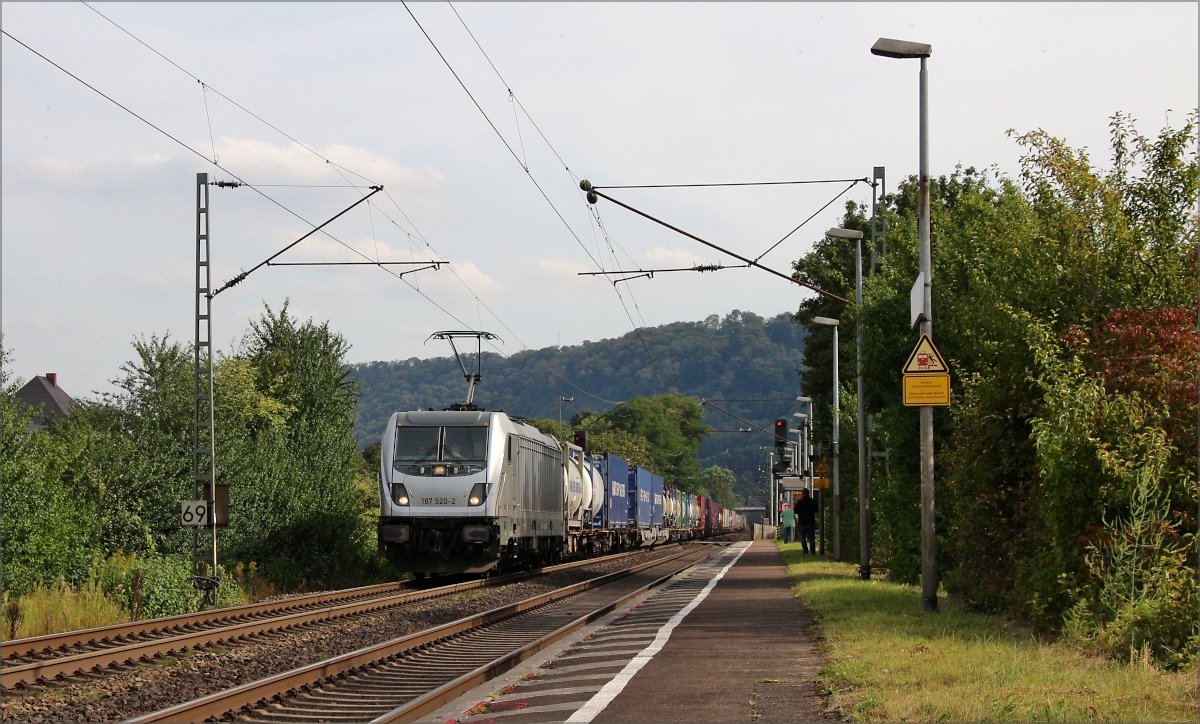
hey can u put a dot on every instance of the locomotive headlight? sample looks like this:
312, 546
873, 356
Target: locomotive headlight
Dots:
478, 494
439, 469
399, 494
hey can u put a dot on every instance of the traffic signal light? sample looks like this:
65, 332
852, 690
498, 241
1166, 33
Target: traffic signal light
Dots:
579, 439
781, 438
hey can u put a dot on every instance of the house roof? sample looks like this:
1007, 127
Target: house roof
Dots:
41, 392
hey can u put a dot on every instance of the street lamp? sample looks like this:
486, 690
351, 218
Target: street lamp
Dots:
561, 400
864, 530
808, 444
903, 49
802, 442
837, 490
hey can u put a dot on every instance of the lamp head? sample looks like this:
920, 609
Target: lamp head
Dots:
826, 321
892, 48
839, 233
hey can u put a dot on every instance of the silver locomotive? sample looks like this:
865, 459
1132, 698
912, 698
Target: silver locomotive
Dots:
464, 491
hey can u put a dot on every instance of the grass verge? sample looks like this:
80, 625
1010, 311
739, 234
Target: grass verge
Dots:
889, 662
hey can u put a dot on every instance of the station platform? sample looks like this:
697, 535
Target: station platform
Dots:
724, 642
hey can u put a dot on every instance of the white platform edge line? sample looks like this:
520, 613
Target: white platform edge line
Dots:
604, 697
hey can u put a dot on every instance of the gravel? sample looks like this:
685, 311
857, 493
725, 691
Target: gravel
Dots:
130, 691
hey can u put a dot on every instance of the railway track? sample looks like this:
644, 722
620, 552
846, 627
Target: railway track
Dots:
44, 659
410, 676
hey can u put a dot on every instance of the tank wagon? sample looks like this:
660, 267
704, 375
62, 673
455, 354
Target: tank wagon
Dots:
468, 491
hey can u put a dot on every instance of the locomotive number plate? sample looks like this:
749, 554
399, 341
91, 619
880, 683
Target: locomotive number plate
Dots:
439, 501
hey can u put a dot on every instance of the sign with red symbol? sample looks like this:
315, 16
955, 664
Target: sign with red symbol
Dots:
925, 359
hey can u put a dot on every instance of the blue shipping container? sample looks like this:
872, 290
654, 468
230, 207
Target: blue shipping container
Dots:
656, 491
615, 473
641, 497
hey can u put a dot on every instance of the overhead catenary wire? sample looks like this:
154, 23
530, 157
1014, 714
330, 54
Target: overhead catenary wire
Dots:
306, 147
499, 135
738, 183
810, 218
723, 250
516, 158
240, 181
708, 403
270, 125
240, 277
207, 160
337, 167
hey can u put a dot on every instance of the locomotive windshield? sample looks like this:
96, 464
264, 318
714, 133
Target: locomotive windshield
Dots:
449, 444
465, 443
417, 444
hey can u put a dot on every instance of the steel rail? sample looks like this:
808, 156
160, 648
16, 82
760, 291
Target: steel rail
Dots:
262, 692
106, 634
450, 691
14, 674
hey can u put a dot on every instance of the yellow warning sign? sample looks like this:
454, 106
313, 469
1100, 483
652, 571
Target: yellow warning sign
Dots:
820, 482
927, 390
925, 359
821, 467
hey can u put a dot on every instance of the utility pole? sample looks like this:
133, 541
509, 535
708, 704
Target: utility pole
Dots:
204, 455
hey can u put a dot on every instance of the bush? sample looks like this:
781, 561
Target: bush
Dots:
148, 587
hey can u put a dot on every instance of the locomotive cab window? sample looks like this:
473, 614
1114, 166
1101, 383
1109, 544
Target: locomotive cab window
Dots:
465, 444
441, 444
417, 444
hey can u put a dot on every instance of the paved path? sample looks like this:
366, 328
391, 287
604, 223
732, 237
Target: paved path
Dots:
726, 643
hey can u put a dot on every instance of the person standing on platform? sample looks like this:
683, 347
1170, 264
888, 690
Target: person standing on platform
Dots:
787, 524
805, 510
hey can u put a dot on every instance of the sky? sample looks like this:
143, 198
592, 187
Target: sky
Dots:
99, 208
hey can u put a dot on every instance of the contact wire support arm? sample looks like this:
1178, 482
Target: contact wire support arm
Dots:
741, 419
749, 262
240, 277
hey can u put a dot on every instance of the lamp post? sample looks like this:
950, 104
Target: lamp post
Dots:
903, 49
561, 400
864, 522
837, 489
802, 442
808, 438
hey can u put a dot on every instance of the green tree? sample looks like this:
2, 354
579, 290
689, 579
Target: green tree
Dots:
1062, 247
717, 483
298, 490
672, 426
48, 527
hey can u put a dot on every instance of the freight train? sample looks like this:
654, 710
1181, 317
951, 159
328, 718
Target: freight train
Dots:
471, 491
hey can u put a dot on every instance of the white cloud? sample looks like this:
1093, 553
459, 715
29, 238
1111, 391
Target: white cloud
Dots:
263, 162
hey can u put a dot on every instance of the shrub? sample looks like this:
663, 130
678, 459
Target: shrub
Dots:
148, 587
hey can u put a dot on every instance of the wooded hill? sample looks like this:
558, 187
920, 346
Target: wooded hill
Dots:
751, 363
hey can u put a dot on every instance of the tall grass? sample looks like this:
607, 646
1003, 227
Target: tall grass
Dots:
887, 661
59, 607
121, 588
